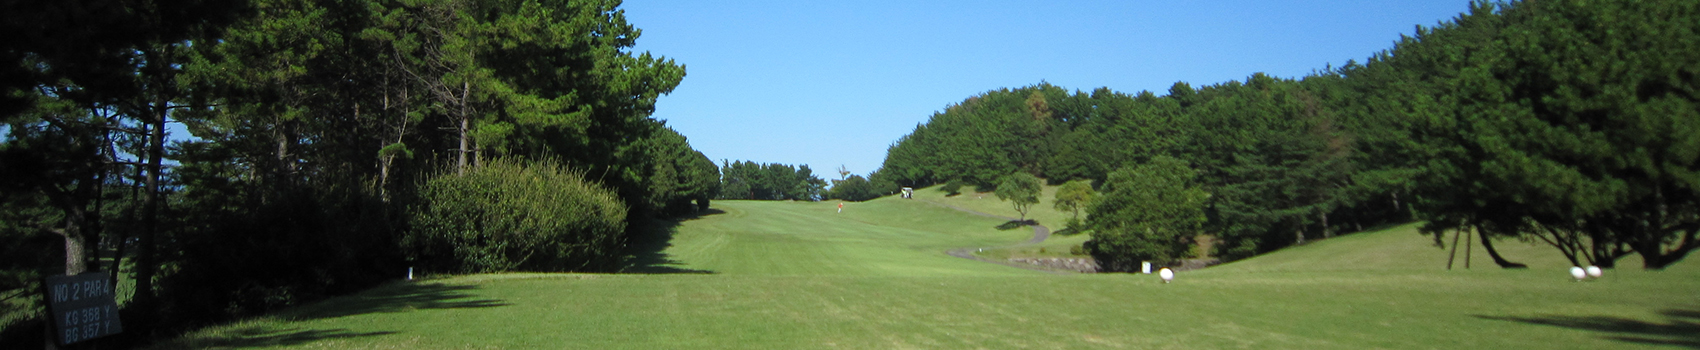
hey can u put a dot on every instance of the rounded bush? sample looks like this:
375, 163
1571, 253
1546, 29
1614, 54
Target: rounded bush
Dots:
954, 187
512, 214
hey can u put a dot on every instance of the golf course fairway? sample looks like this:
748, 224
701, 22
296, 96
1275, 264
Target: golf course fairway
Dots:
800, 275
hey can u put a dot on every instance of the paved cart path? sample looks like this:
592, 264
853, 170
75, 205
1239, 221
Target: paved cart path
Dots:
1040, 233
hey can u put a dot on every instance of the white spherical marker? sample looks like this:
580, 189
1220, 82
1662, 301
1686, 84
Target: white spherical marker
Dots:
1166, 274
1594, 271
1578, 273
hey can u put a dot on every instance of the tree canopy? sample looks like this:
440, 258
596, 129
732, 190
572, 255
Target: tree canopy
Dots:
1149, 212
1074, 196
1021, 190
774, 181
314, 124
1565, 122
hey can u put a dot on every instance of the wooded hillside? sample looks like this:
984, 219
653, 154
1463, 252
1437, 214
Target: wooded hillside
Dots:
1566, 122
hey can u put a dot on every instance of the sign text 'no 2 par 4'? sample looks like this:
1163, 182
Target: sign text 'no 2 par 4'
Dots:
82, 306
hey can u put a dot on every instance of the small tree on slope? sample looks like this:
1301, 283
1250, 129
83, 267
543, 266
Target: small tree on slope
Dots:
1021, 190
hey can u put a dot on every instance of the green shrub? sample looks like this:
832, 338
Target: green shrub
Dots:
514, 215
1149, 212
952, 188
857, 189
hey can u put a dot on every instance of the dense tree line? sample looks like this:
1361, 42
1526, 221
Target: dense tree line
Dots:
750, 180
320, 129
1260, 148
1565, 122
856, 188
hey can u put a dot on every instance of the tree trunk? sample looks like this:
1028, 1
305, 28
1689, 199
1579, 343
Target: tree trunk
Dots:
1468, 248
74, 246
465, 121
1499, 260
1326, 233
1653, 256
384, 176
1299, 232
130, 219
1454, 255
92, 217
1600, 252
401, 131
285, 135
117, 258
146, 259
1572, 257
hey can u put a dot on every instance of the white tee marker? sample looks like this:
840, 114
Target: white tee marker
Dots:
1166, 274
1594, 271
1578, 273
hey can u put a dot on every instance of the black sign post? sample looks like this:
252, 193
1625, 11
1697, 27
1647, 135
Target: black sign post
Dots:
82, 306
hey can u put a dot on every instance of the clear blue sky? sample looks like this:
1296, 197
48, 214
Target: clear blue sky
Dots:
831, 83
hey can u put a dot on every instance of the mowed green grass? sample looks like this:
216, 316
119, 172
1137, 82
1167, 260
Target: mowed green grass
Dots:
1044, 213
782, 275
884, 237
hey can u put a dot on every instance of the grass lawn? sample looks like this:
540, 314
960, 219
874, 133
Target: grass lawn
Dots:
884, 237
986, 202
1055, 247
1058, 246
784, 275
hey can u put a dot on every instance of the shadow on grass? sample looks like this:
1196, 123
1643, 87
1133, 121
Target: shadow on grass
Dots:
397, 297
1682, 328
1015, 224
646, 253
261, 336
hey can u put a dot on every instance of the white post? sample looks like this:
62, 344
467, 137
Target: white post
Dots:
410, 273
1145, 267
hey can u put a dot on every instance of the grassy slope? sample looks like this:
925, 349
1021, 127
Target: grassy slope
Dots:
797, 275
1387, 248
986, 202
1402, 248
884, 237
1044, 213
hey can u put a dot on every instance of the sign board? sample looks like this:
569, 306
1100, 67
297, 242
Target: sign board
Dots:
82, 306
